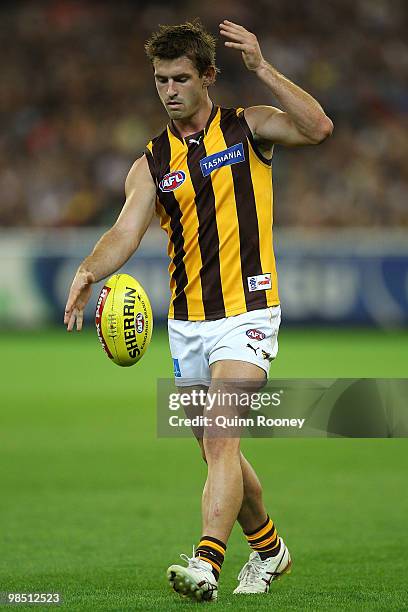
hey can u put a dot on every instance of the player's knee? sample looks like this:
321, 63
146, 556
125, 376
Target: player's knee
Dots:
216, 449
261, 383
243, 388
254, 385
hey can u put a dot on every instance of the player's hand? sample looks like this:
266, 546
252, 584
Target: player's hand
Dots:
78, 297
246, 42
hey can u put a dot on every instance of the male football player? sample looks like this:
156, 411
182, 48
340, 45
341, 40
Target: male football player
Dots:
208, 177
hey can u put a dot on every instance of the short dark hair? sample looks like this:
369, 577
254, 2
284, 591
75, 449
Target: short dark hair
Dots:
190, 39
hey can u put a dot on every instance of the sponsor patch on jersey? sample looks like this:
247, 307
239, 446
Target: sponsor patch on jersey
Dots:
257, 283
232, 155
172, 180
255, 334
176, 366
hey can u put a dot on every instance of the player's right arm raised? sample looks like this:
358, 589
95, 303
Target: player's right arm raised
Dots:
118, 244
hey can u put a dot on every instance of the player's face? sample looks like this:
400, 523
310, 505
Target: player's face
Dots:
180, 88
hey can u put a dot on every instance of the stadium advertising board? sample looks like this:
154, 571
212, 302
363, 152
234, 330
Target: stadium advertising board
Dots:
350, 278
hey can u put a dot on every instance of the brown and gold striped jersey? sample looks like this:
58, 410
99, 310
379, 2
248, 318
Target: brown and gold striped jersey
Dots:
214, 200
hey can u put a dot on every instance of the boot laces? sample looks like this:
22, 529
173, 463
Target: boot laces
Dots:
193, 561
250, 572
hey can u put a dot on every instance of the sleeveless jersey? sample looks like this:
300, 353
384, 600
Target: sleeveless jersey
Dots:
214, 200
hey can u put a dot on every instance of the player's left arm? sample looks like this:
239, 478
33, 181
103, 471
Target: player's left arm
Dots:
303, 120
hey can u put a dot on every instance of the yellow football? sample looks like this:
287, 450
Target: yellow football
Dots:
124, 319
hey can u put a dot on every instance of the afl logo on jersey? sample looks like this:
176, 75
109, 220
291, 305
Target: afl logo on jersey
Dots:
172, 180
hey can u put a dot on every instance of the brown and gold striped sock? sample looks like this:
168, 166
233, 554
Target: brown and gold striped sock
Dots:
264, 540
212, 550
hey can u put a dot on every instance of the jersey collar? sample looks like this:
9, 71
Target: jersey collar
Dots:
173, 129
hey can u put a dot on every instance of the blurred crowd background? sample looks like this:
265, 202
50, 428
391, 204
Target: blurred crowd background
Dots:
78, 104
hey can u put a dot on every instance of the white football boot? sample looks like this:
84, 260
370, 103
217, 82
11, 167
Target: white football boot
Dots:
195, 581
256, 575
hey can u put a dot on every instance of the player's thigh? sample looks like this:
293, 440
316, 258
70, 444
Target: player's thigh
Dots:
234, 382
235, 369
195, 408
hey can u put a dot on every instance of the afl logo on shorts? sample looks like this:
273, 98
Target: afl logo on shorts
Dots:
172, 180
255, 334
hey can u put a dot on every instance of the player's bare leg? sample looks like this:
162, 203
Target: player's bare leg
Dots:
232, 492
224, 490
270, 557
252, 512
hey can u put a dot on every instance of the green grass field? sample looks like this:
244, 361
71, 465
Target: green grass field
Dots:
93, 505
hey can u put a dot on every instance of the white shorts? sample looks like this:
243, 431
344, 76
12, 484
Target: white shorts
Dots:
195, 345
